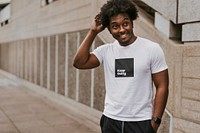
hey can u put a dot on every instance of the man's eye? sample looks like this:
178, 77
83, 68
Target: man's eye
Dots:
114, 26
125, 24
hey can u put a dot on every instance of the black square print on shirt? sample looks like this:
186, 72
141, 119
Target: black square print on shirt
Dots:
124, 67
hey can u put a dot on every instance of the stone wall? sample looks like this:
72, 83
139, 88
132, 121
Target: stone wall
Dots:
182, 15
188, 115
183, 61
47, 62
29, 19
40, 42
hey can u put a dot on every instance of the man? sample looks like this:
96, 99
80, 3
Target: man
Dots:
131, 65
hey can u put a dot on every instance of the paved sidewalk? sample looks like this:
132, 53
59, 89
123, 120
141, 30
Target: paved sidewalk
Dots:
23, 111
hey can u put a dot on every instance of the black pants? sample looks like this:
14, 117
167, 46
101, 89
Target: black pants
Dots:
109, 125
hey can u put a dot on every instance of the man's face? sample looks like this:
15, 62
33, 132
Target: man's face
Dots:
121, 28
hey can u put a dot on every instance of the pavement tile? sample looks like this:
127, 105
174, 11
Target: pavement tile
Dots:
23, 117
3, 118
30, 124
23, 111
40, 129
59, 120
73, 129
8, 128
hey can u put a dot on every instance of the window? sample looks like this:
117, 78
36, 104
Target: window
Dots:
4, 12
46, 2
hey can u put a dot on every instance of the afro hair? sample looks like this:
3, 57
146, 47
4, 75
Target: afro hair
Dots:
115, 7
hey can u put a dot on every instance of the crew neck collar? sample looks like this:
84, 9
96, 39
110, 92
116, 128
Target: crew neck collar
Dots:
128, 46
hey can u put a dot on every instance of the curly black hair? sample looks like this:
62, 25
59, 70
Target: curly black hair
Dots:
115, 7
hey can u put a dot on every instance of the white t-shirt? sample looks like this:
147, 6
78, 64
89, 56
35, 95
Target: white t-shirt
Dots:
128, 78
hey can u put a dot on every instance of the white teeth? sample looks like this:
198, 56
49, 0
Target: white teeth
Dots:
123, 36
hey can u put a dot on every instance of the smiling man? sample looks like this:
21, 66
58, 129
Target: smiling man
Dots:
131, 65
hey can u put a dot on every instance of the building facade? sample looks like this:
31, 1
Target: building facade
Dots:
39, 38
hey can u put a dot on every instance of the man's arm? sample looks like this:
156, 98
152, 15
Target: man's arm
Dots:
83, 59
161, 81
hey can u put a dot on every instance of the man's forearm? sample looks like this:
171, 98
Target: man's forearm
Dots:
160, 102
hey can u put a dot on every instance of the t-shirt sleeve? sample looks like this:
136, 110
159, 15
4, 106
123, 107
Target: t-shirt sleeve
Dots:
158, 62
99, 53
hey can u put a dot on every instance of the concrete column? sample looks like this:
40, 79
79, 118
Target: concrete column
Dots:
191, 32
66, 63
38, 47
56, 64
35, 54
72, 77
41, 61
52, 62
61, 64
84, 80
99, 85
167, 27
77, 71
45, 62
48, 63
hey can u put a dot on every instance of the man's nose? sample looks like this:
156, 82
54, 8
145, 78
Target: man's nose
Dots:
121, 29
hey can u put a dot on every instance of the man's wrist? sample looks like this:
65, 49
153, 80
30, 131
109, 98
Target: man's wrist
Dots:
156, 120
94, 32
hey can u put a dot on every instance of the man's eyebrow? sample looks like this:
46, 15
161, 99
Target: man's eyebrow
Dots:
113, 23
125, 18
